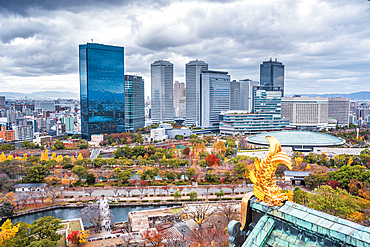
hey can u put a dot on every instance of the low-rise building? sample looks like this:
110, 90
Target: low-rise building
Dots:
243, 122
7, 135
30, 187
296, 177
158, 134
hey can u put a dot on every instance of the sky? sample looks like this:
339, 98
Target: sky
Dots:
324, 45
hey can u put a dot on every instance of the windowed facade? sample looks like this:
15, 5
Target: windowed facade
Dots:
101, 89
134, 103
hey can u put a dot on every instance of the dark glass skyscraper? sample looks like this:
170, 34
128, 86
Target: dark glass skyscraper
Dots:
134, 102
101, 89
272, 76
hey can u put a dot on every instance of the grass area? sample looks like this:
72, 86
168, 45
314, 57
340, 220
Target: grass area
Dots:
176, 210
62, 242
74, 226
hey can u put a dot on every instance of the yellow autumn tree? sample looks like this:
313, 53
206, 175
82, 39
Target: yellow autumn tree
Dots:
203, 148
219, 146
8, 231
8, 197
46, 155
10, 157
42, 157
298, 160
2, 157
73, 160
53, 156
24, 157
59, 158
80, 157
350, 161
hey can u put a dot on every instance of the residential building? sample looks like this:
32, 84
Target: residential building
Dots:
193, 71
305, 111
178, 88
101, 89
272, 76
134, 102
7, 135
23, 132
69, 123
339, 110
246, 94
267, 102
2, 102
162, 91
235, 99
245, 123
214, 97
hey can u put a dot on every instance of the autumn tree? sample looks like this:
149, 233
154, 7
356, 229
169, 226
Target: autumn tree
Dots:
337, 202
212, 160
8, 231
190, 172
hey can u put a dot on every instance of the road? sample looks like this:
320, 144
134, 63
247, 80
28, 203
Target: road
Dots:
149, 191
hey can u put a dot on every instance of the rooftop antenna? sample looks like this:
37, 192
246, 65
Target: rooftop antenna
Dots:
92, 40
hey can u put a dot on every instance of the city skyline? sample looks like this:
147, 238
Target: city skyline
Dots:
321, 51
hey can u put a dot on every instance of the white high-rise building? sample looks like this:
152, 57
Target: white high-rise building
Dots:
246, 94
162, 91
193, 69
214, 97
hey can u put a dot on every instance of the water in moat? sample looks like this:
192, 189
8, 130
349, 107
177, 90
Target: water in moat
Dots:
120, 213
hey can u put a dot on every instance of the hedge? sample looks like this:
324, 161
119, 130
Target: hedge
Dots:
213, 199
157, 200
185, 200
133, 201
145, 200
98, 185
238, 198
226, 198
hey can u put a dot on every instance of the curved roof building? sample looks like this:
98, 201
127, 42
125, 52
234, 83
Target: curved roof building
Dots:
298, 140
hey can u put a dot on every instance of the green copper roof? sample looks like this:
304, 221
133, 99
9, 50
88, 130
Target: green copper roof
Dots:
296, 225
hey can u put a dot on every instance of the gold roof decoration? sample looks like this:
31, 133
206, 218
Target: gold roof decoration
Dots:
263, 177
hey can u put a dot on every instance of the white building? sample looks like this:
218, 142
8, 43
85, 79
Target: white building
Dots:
30, 187
23, 132
158, 134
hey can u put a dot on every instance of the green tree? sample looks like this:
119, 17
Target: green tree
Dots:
220, 194
177, 195
190, 172
41, 233
193, 196
337, 202
6, 147
300, 196
229, 151
90, 179
240, 169
123, 175
59, 145
36, 174
80, 171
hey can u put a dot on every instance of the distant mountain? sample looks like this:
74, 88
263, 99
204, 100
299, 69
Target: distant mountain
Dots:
363, 95
41, 95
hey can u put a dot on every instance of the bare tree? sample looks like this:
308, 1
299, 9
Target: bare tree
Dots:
89, 191
94, 215
228, 210
200, 213
5, 182
141, 189
33, 196
22, 200
42, 195
128, 189
53, 193
115, 191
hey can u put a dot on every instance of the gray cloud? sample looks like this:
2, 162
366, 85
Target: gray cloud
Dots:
322, 43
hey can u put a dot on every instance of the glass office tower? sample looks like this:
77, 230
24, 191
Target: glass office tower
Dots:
267, 102
134, 103
101, 89
272, 76
214, 97
193, 69
161, 73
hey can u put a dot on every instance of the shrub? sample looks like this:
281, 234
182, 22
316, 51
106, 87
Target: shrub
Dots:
238, 198
133, 201
72, 202
98, 185
226, 198
213, 199
157, 200
145, 200
185, 200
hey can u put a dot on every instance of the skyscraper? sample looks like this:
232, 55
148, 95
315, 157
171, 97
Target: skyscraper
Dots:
267, 102
214, 97
162, 91
134, 103
178, 88
193, 69
235, 103
339, 110
272, 76
101, 70
246, 94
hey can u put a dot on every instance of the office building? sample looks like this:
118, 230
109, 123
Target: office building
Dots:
134, 102
339, 110
214, 97
178, 88
246, 94
193, 70
182, 108
305, 112
272, 76
235, 101
245, 123
45, 105
162, 91
2, 102
23, 132
101, 70
267, 102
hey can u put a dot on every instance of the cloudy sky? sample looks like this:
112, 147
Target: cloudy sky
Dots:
325, 45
